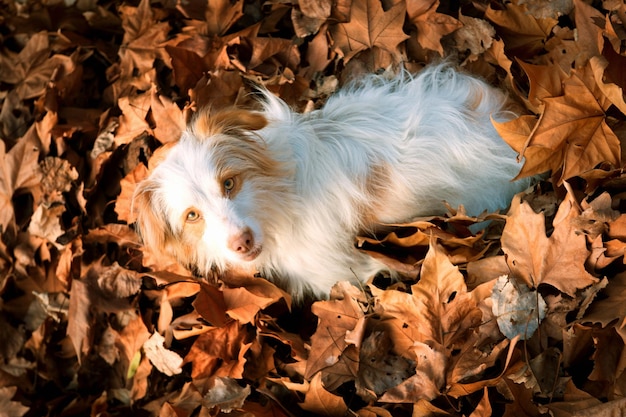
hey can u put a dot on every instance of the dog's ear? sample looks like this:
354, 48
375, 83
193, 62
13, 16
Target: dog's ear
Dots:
209, 123
151, 221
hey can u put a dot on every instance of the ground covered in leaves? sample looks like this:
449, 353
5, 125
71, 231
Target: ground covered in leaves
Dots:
525, 318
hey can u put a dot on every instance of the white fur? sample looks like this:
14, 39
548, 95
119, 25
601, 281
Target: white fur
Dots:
378, 151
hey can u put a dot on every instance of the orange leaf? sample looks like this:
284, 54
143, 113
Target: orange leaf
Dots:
370, 26
431, 26
336, 319
220, 352
320, 402
18, 170
524, 34
536, 259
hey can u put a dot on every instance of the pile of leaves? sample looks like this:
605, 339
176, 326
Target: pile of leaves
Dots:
524, 317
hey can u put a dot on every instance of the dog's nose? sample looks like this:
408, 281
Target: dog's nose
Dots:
241, 243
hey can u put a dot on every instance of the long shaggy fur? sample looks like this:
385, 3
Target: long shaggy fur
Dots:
285, 194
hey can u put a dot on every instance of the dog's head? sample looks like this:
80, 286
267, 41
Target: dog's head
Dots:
211, 201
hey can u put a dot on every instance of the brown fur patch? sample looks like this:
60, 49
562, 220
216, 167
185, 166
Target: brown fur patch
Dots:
376, 185
227, 121
241, 157
152, 225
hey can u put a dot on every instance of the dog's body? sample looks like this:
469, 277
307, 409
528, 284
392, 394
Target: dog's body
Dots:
285, 193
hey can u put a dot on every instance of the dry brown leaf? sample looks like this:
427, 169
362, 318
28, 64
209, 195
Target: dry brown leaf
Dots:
524, 34
370, 26
19, 170
337, 317
9, 407
169, 120
571, 135
321, 402
220, 351
79, 318
163, 359
431, 26
534, 258
226, 394
428, 380
123, 203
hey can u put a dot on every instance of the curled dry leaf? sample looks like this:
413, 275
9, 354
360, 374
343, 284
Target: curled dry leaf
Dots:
518, 309
226, 394
163, 359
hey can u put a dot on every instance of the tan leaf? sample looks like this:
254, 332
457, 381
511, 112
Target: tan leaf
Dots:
524, 35
165, 360
321, 402
78, 323
9, 407
133, 119
337, 317
220, 351
370, 26
431, 26
123, 203
226, 394
427, 381
169, 120
536, 259
18, 170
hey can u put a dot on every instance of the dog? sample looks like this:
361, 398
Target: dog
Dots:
285, 194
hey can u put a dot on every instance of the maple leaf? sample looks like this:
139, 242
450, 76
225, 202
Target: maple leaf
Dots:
336, 319
524, 35
18, 171
370, 26
169, 120
558, 260
431, 26
321, 402
220, 351
428, 324
571, 134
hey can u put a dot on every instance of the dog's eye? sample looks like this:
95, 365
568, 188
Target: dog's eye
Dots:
192, 216
229, 184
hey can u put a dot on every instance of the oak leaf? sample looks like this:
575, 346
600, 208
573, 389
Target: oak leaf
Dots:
370, 26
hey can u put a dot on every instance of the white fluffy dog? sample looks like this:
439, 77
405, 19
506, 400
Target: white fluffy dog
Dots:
285, 194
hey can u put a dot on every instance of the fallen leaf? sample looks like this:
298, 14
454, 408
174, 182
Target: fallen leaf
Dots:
431, 26
226, 394
518, 309
370, 26
536, 259
163, 359
321, 402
